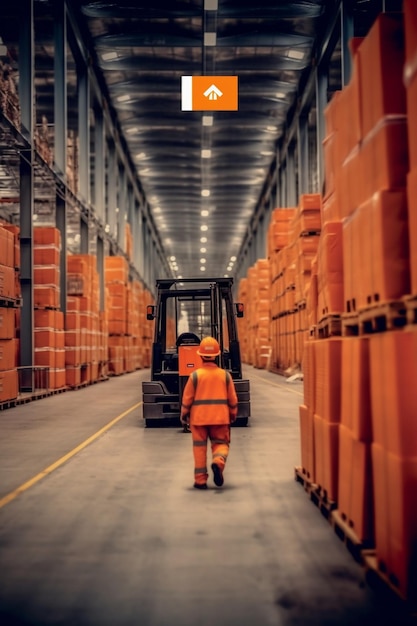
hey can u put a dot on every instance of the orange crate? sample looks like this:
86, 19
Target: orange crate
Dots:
355, 489
47, 235
330, 461
45, 357
355, 393
307, 442
7, 354
394, 401
46, 296
7, 323
385, 273
328, 378
73, 376
7, 282
382, 57
9, 385
44, 318
384, 157
6, 248
412, 227
46, 255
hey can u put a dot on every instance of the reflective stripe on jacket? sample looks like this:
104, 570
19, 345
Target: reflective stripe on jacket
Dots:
209, 396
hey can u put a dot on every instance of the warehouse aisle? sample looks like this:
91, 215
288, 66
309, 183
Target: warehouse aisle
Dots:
117, 536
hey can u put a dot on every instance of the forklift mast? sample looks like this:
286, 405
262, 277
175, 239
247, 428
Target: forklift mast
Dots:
186, 310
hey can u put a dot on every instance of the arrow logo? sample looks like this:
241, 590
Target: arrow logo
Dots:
213, 92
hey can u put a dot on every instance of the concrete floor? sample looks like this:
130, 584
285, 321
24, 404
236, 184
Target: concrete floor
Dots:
117, 536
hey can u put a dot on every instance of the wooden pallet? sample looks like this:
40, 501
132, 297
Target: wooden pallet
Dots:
410, 303
346, 533
350, 324
382, 316
317, 495
329, 326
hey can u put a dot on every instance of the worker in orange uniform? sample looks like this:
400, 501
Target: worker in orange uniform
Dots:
209, 406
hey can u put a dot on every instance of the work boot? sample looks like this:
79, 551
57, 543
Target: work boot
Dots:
217, 474
200, 486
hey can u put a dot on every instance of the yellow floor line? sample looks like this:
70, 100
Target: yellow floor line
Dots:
48, 470
299, 393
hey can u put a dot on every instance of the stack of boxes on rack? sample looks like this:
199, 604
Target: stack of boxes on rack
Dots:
9, 303
293, 238
49, 337
357, 422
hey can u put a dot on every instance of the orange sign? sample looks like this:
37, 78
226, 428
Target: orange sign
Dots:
209, 93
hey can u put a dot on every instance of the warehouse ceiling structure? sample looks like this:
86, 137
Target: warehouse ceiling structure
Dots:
207, 179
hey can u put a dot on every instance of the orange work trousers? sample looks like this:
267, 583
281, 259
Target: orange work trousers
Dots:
219, 436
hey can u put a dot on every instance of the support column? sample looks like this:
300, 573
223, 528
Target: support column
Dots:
112, 191
84, 130
302, 140
347, 32
321, 103
60, 137
26, 94
291, 177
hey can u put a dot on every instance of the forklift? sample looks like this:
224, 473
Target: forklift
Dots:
187, 310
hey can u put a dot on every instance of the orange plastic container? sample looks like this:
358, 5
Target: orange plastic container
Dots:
46, 296
382, 57
188, 359
116, 269
73, 376
412, 115
394, 401
9, 385
402, 518
384, 157
381, 505
7, 323
44, 318
328, 378
44, 357
355, 398
309, 371
47, 235
6, 247
307, 442
7, 354
7, 282
412, 227
46, 255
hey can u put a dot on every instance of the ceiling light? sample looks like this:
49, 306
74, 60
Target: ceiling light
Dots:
233, 258
207, 120
132, 129
203, 239
123, 98
202, 268
210, 39
296, 54
203, 227
267, 153
109, 56
229, 269
271, 128
180, 276
206, 154
204, 213
280, 94
203, 250
211, 5
141, 155
157, 209
202, 261
226, 276
172, 258
205, 193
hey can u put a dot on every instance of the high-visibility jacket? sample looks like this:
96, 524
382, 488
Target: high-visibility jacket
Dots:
209, 396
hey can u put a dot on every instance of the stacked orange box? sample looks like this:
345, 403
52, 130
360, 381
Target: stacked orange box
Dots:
410, 81
9, 301
116, 280
330, 270
46, 269
355, 489
394, 454
83, 286
307, 411
279, 229
49, 343
262, 299
129, 242
327, 413
73, 342
242, 322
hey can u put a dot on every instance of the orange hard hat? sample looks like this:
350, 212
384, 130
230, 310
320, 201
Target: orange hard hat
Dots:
209, 347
